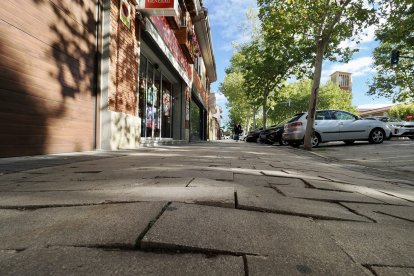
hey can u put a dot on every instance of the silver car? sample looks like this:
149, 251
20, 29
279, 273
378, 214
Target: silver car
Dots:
335, 125
399, 128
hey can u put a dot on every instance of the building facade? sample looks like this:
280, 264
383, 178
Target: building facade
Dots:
110, 74
343, 79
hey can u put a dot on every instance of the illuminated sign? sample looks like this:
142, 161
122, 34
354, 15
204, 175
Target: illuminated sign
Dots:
159, 7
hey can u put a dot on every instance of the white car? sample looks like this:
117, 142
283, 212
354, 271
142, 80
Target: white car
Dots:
335, 125
399, 128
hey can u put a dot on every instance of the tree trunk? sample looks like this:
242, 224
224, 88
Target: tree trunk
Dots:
317, 71
254, 118
266, 94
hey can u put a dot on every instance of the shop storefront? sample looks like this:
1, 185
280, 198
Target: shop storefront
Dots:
155, 101
198, 120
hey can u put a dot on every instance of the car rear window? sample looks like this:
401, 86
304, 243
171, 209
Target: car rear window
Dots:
295, 118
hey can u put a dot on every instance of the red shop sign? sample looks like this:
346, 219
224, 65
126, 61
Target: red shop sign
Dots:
159, 7
159, 4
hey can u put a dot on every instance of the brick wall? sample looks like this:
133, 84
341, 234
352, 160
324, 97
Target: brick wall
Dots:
123, 63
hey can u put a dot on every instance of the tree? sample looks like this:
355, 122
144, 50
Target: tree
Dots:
401, 111
311, 31
330, 97
238, 104
394, 81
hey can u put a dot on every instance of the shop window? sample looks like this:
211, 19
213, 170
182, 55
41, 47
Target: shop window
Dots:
155, 102
166, 121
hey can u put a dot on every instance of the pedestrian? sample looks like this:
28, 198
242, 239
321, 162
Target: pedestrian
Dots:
237, 130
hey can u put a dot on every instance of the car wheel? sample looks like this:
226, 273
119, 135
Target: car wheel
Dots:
376, 136
315, 140
349, 142
294, 144
283, 142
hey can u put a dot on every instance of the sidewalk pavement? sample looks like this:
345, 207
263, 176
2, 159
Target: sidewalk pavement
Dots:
218, 208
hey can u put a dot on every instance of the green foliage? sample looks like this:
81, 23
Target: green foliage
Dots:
394, 81
330, 97
233, 87
401, 111
295, 27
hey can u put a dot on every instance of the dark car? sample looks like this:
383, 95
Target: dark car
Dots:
264, 133
274, 135
253, 136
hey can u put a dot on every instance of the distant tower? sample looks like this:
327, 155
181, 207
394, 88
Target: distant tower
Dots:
344, 80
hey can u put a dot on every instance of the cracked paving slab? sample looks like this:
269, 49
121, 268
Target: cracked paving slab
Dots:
407, 194
373, 193
103, 225
334, 196
393, 271
267, 199
217, 196
386, 214
87, 261
262, 180
210, 229
371, 243
291, 175
294, 265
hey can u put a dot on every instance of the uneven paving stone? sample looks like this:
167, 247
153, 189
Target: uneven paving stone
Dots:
300, 266
384, 214
73, 185
212, 173
316, 194
393, 271
359, 189
291, 175
211, 229
85, 261
103, 225
263, 180
371, 243
217, 196
267, 199
205, 182
407, 194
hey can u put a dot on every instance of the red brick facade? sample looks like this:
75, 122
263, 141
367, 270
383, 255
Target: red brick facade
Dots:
124, 63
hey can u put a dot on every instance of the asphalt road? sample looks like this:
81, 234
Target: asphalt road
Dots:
391, 157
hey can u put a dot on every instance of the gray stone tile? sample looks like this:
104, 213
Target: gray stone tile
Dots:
294, 265
333, 196
217, 196
103, 225
85, 261
304, 176
393, 271
407, 194
371, 243
267, 199
384, 214
263, 180
202, 228
205, 182
370, 192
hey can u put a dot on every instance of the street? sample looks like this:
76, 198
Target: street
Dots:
213, 208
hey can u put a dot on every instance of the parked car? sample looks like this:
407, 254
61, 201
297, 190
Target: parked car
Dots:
263, 134
274, 134
399, 128
253, 135
335, 125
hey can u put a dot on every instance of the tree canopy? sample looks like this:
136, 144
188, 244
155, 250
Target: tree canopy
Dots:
310, 31
394, 81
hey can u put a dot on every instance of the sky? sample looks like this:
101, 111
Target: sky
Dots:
226, 17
